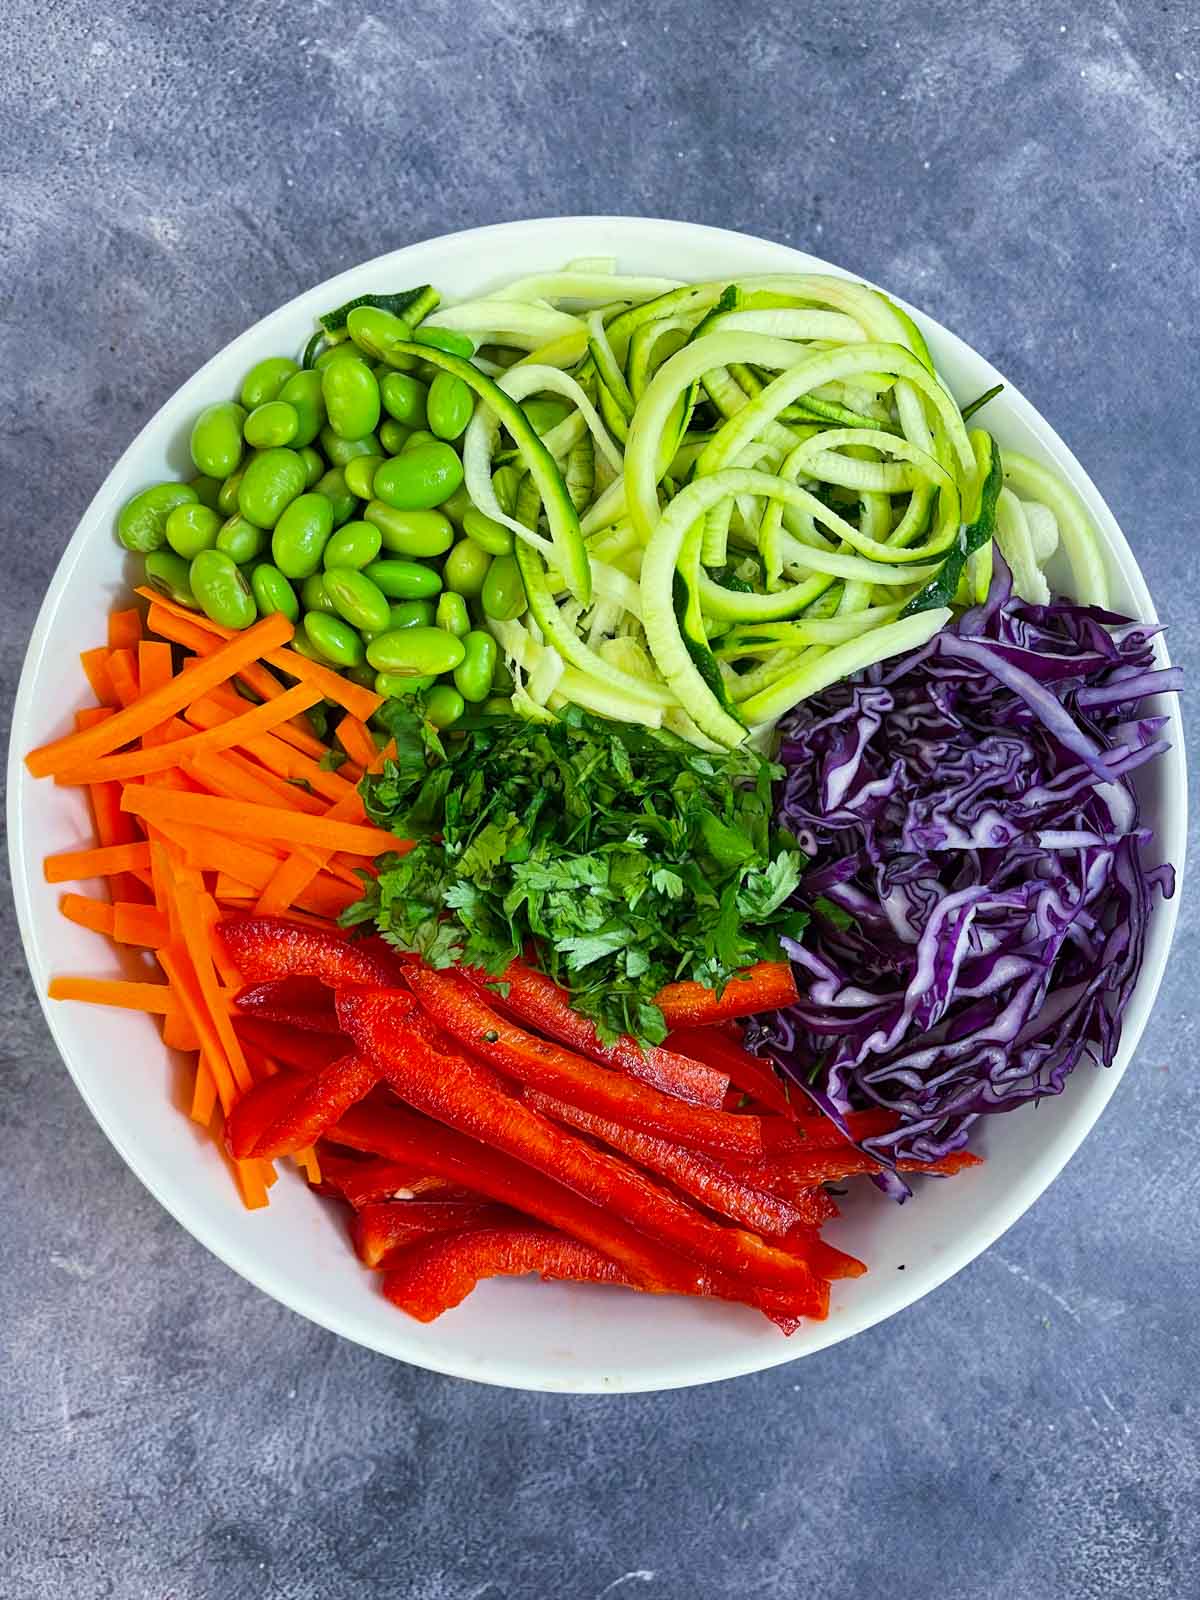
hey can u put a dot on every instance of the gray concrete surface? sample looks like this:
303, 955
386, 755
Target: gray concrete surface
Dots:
1030, 175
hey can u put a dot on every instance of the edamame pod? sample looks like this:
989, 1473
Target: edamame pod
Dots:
221, 590
216, 441
272, 481
142, 524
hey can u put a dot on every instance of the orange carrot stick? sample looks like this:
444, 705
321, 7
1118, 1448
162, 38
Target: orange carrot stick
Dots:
232, 775
96, 863
234, 731
155, 707
274, 752
124, 630
239, 819
182, 631
355, 739
204, 1093
95, 667
122, 669
178, 1033
177, 965
87, 913
197, 937
139, 925
155, 997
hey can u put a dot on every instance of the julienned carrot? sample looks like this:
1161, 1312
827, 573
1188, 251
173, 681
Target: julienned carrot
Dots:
360, 702
176, 963
154, 997
196, 926
253, 674
233, 731
178, 1033
204, 1091
298, 733
155, 707
276, 754
227, 888
139, 925
355, 739
95, 669
85, 912
96, 863
124, 630
122, 669
232, 776
238, 819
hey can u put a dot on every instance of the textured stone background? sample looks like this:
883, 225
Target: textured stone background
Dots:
1027, 173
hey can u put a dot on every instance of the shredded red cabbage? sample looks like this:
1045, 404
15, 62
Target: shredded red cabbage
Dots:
979, 902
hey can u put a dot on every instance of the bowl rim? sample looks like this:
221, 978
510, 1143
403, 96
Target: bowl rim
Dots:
1036, 1179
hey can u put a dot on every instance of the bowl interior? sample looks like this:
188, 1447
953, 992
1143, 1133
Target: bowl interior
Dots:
513, 1332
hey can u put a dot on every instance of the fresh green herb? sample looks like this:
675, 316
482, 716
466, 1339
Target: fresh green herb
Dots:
620, 859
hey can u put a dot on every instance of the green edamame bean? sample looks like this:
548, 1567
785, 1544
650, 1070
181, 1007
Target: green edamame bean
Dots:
457, 505
343, 350
377, 331
410, 533
272, 592
452, 614
502, 679
240, 540
404, 580
466, 568
444, 705
216, 441
418, 436
416, 652
393, 436
409, 614
302, 647
505, 483
403, 398
491, 536
448, 339
227, 499
207, 490
272, 481
334, 640
497, 706
356, 599
360, 474
273, 423
339, 451
351, 398
142, 524
421, 477
221, 589
265, 379
503, 594
473, 676
314, 464
449, 406
302, 392
356, 544
168, 574
392, 686
192, 528
314, 596
363, 675
334, 487
301, 533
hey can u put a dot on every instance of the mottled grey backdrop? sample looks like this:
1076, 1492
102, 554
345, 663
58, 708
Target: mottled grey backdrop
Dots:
1027, 173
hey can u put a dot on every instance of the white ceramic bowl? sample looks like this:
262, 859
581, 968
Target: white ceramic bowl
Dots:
519, 1333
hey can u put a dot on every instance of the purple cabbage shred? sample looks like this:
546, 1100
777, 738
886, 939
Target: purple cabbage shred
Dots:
979, 899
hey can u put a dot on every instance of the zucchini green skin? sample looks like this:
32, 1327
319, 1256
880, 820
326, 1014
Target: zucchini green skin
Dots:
941, 590
570, 553
402, 304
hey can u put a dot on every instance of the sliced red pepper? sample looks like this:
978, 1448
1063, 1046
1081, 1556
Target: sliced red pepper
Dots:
465, 1094
815, 1205
258, 1109
804, 1169
381, 1231
753, 1075
277, 1126
294, 1047
431, 1277
364, 1182
298, 1002
262, 948
697, 1174
536, 999
400, 1135
768, 986
461, 1011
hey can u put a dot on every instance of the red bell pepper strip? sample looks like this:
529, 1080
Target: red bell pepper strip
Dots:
400, 1135
814, 1205
297, 1002
460, 1010
258, 1109
262, 948
467, 1095
826, 1166
364, 1182
319, 1102
697, 1174
768, 986
535, 999
381, 1231
753, 1075
431, 1277
294, 1047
